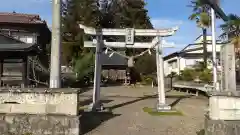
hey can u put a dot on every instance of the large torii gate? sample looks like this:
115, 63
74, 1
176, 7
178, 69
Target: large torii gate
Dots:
129, 34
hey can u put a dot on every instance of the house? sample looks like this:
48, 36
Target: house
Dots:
23, 38
190, 55
28, 28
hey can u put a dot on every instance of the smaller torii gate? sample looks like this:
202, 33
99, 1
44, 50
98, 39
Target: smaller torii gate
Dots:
129, 34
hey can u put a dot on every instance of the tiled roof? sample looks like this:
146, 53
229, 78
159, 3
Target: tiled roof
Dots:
20, 18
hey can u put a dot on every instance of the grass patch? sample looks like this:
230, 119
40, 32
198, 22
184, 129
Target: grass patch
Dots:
153, 112
82, 108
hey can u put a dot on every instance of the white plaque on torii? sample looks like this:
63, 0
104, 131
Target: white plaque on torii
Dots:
129, 39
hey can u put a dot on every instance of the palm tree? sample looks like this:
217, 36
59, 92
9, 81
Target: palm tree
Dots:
202, 18
231, 30
201, 14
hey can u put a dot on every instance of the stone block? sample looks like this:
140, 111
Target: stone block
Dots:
221, 127
224, 108
228, 73
28, 108
69, 110
5, 108
20, 124
35, 101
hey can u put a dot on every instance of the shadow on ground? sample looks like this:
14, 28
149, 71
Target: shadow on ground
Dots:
85, 89
178, 99
201, 132
91, 120
89, 101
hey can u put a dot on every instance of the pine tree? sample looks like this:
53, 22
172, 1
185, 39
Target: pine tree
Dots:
77, 11
132, 14
74, 54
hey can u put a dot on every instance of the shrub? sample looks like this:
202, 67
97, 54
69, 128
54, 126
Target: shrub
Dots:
188, 74
206, 75
147, 79
172, 74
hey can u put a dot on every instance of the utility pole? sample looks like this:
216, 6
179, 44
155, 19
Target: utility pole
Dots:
214, 57
55, 71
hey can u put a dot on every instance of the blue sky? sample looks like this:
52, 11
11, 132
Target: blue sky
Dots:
163, 14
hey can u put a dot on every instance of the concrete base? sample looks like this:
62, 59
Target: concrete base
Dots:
221, 127
23, 124
163, 108
95, 107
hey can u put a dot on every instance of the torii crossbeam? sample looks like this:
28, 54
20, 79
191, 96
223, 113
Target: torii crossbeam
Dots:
93, 43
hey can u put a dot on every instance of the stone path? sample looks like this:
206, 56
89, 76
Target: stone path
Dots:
128, 117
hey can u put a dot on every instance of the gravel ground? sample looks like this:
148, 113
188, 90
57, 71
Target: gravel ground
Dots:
128, 117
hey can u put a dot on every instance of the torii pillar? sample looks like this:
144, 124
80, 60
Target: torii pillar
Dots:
129, 34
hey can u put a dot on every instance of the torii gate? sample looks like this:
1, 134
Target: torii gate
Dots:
129, 34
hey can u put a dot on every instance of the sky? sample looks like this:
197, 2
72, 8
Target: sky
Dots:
163, 14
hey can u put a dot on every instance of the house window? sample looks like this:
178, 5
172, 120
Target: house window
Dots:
26, 39
29, 40
190, 63
173, 64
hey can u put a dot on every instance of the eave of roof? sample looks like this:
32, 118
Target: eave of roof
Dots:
171, 55
18, 46
20, 18
184, 50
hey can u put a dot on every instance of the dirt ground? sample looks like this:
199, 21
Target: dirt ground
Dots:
128, 117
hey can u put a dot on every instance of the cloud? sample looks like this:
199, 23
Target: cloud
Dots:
164, 23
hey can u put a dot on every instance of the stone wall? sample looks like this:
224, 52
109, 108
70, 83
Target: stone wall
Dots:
39, 111
23, 124
221, 127
223, 117
39, 101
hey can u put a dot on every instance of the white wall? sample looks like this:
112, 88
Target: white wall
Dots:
182, 63
168, 67
209, 48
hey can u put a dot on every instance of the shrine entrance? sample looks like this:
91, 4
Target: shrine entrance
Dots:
129, 34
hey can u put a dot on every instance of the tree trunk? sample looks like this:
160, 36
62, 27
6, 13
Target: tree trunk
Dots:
205, 53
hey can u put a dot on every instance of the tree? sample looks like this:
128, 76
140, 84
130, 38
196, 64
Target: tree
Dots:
201, 14
132, 14
231, 30
122, 14
203, 20
75, 12
84, 67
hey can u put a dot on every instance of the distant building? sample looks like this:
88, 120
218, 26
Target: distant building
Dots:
113, 65
189, 56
